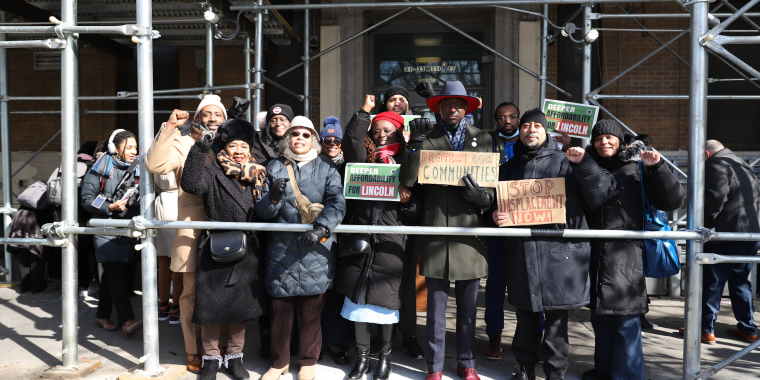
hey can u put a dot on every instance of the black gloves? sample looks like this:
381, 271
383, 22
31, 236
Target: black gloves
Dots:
424, 89
278, 187
239, 105
419, 129
311, 238
474, 194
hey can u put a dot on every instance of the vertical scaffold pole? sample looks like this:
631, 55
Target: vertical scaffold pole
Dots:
257, 62
69, 117
588, 8
209, 50
247, 63
695, 187
6, 147
306, 64
147, 197
544, 55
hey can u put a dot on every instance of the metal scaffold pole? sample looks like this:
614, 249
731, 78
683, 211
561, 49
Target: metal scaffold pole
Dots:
588, 8
544, 55
6, 147
209, 50
69, 117
247, 65
695, 187
306, 64
257, 61
145, 125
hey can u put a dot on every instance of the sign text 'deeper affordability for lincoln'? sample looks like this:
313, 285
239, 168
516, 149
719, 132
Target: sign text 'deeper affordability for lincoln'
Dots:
572, 118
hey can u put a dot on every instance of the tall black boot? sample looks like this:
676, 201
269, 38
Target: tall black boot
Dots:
362, 355
383, 370
235, 367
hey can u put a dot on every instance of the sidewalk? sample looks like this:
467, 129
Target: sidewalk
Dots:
30, 334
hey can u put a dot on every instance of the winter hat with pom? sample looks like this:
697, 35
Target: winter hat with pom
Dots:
331, 128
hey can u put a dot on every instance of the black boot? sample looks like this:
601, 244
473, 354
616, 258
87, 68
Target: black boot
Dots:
361, 367
211, 366
235, 368
383, 370
525, 372
644, 323
265, 352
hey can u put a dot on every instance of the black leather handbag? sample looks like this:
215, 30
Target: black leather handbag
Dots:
228, 247
359, 244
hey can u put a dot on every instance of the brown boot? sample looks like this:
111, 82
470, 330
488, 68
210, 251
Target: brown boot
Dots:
129, 327
105, 324
706, 338
493, 351
737, 333
194, 363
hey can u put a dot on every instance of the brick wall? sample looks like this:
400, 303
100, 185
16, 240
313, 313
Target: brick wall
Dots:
663, 74
30, 131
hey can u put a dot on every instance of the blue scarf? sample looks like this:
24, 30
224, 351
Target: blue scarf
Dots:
457, 141
105, 164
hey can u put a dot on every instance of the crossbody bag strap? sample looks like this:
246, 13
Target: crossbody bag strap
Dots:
647, 205
292, 176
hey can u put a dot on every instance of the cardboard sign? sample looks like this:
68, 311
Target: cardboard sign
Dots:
572, 118
448, 167
377, 182
407, 119
532, 202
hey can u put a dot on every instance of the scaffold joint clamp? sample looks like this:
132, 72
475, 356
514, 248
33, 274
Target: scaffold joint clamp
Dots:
707, 234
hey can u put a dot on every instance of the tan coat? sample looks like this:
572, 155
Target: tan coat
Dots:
168, 154
166, 209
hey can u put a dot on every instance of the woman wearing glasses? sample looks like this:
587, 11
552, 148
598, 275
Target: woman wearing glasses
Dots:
301, 187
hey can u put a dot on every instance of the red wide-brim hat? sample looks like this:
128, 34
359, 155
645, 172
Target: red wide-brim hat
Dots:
453, 89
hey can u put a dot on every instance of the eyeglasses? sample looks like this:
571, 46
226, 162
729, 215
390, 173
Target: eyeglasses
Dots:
305, 135
332, 141
502, 119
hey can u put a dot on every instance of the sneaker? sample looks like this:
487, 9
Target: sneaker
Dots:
412, 347
174, 317
164, 312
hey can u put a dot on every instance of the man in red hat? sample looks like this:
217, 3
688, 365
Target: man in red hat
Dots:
446, 258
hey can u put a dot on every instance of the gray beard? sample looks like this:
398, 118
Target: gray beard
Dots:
533, 145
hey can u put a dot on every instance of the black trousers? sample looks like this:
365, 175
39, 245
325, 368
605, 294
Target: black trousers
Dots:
555, 348
36, 276
408, 313
114, 292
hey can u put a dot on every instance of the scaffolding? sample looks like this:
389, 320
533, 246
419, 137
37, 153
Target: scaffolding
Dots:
705, 35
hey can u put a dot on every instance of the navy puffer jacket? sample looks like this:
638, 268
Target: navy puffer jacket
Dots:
292, 268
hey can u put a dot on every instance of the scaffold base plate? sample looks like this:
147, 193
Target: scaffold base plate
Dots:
79, 371
172, 372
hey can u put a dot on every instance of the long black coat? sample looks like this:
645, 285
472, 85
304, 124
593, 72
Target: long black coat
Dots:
224, 293
374, 279
732, 194
619, 286
545, 273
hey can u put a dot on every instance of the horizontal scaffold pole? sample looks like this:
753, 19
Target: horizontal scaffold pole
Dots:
251, 6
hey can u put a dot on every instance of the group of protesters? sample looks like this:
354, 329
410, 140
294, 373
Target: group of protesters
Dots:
309, 297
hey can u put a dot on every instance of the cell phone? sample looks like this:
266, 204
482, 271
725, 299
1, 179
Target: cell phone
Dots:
98, 202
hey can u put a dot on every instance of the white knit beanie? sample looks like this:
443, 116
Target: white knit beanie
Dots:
212, 100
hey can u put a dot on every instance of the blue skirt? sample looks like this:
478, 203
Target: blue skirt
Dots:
368, 313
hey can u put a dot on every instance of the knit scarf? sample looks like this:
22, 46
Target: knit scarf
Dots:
386, 153
299, 159
457, 141
107, 161
248, 172
339, 160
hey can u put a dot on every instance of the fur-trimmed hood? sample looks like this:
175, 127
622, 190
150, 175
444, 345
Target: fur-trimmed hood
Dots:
630, 153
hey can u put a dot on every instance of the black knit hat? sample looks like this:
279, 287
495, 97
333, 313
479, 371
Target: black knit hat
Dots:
607, 127
280, 109
395, 90
235, 129
534, 115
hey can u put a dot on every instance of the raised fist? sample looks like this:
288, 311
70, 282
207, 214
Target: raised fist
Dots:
178, 117
419, 129
575, 154
369, 103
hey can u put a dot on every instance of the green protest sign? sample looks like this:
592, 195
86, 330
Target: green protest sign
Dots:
572, 118
407, 119
377, 182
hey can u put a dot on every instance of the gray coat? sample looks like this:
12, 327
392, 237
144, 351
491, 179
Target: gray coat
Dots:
292, 268
108, 248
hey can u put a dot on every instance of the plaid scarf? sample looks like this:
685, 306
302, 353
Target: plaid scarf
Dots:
106, 162
248, 172
458, 140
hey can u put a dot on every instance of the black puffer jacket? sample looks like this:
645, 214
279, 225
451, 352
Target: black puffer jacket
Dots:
224, 293
732, 194
547, 273
619, 286
374, 279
